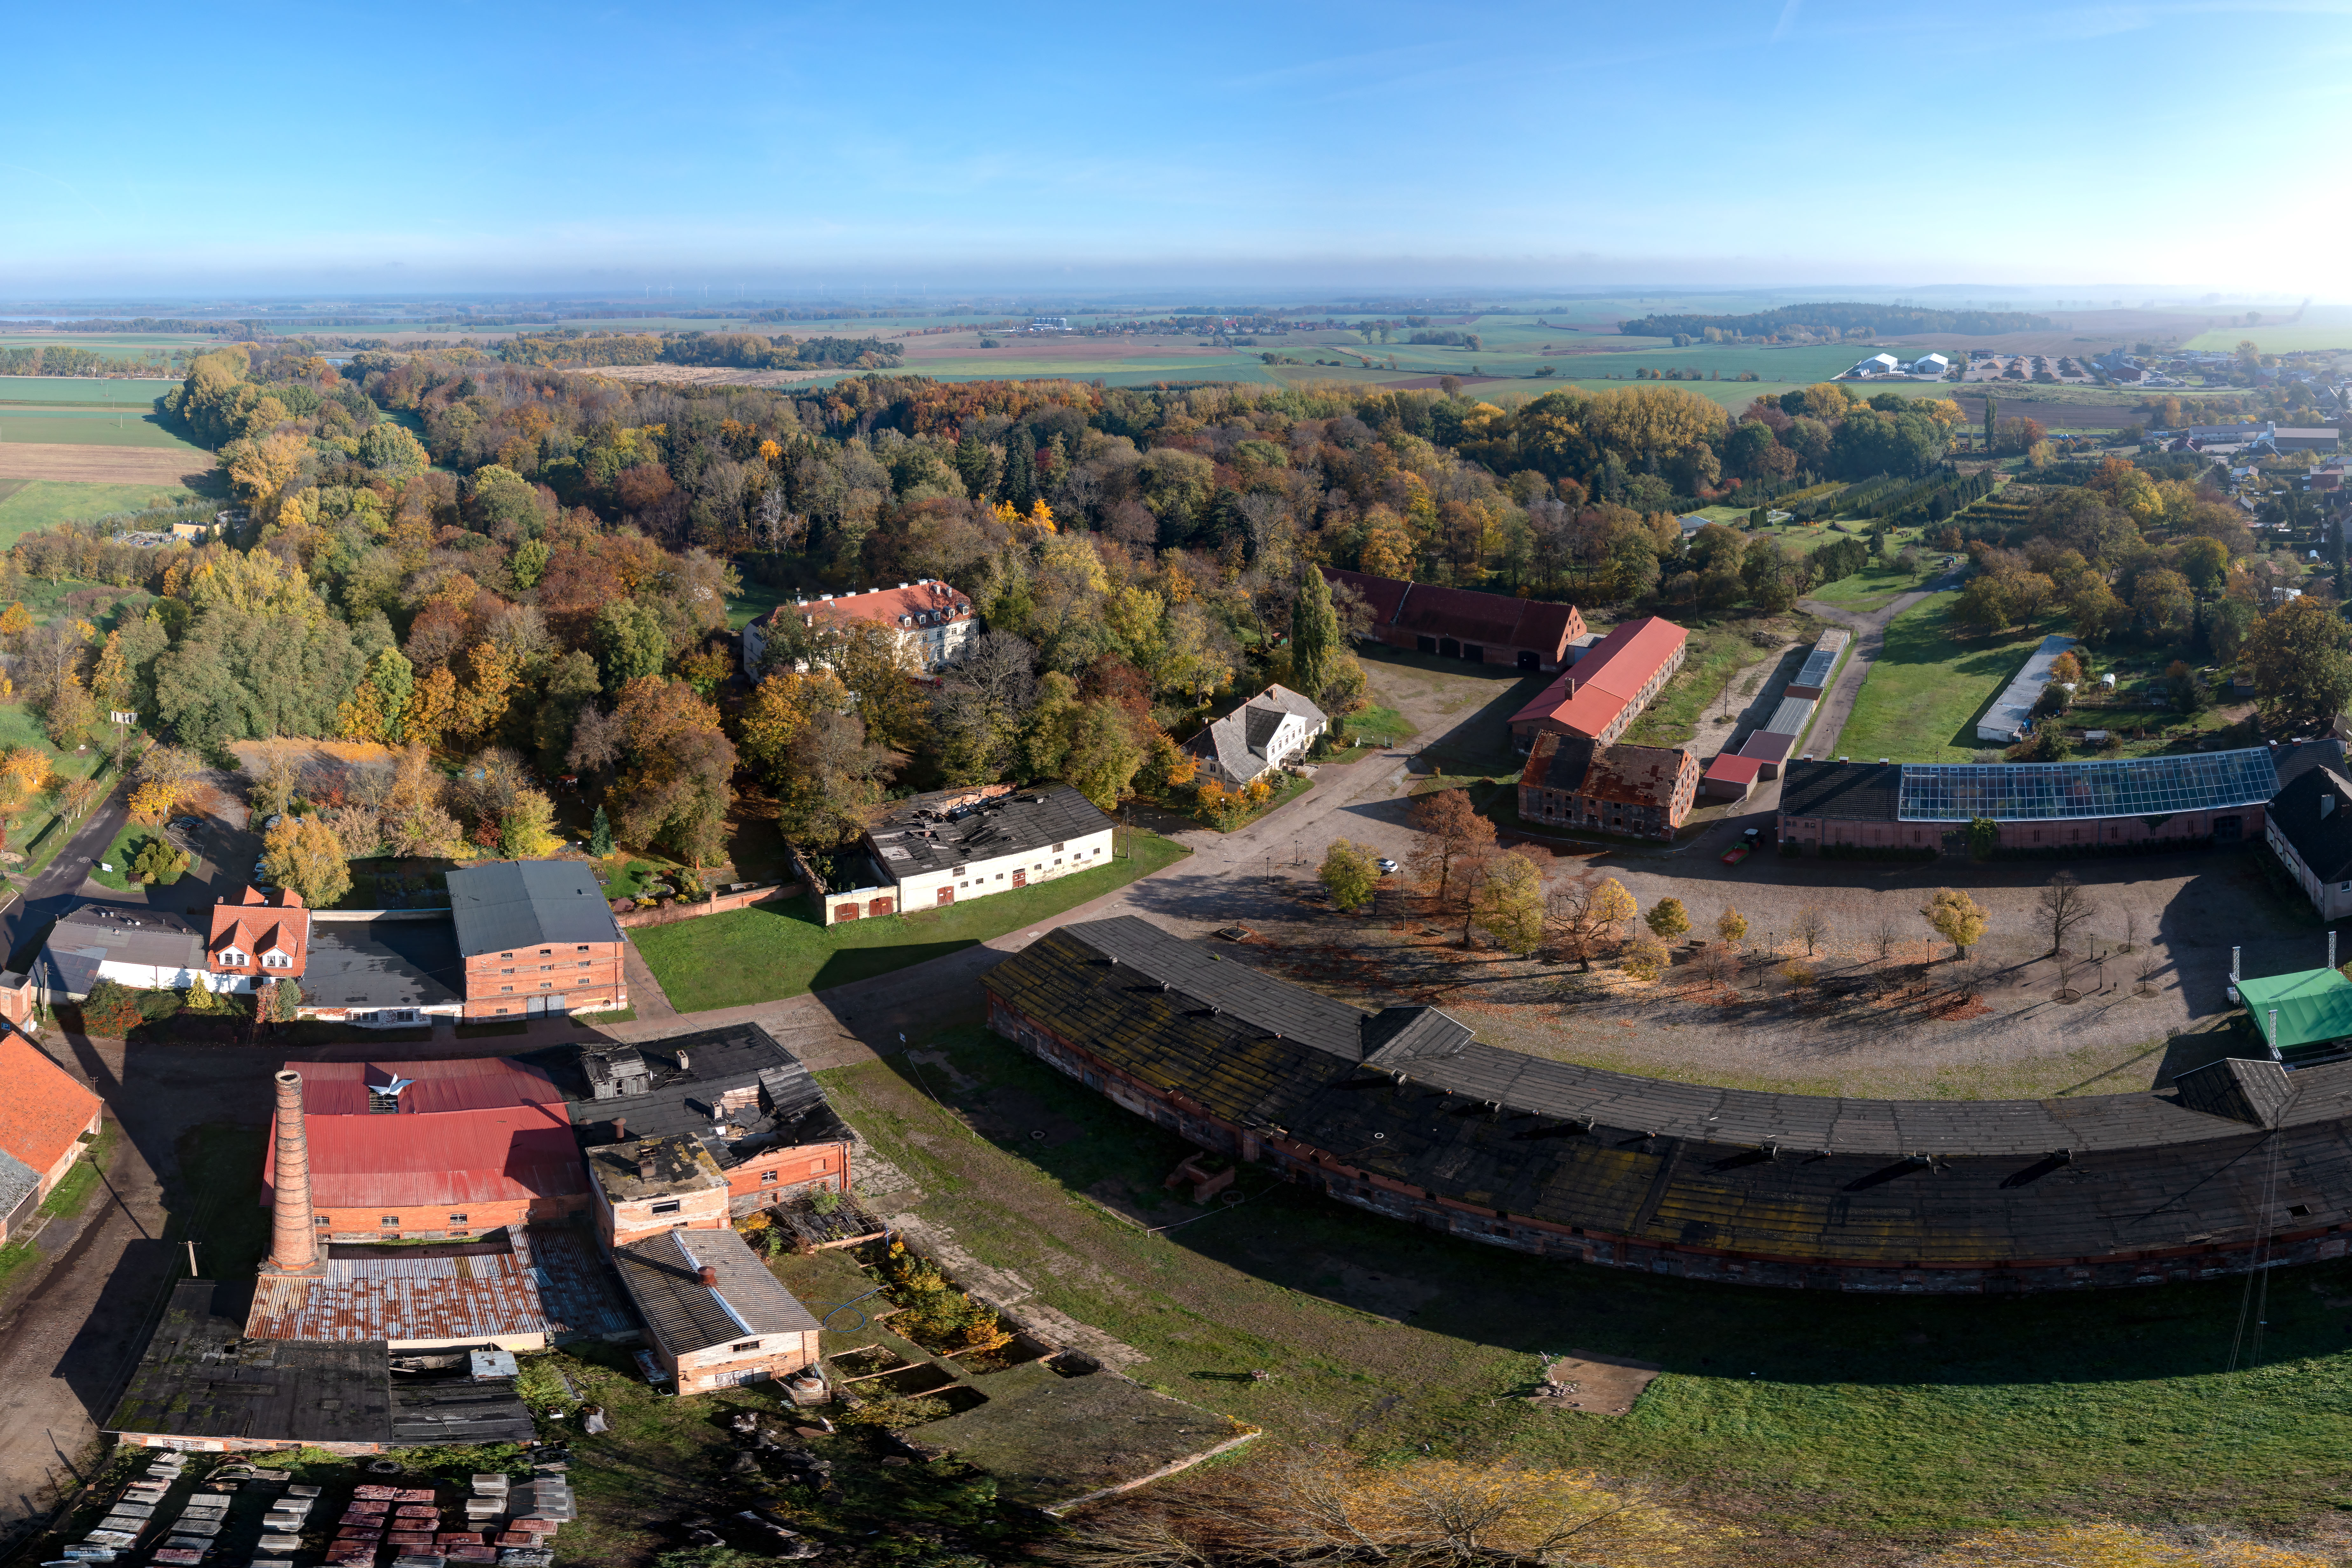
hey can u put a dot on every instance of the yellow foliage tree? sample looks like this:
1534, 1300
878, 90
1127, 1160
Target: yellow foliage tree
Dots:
1956, 917
2109, 1545
16, 621
153, 802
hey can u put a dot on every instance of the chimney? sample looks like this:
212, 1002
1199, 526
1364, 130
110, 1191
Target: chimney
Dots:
709, 1276
644, 1161
620, 1129
293, 1241
681, 1061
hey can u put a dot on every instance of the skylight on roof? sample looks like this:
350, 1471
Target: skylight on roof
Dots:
2047, 792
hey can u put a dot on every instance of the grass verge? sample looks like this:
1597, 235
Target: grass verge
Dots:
768, 952
1713, 656
74, 1188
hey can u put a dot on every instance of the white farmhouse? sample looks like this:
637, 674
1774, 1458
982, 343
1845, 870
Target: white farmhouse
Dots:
1258, 737
942, 849
934, 622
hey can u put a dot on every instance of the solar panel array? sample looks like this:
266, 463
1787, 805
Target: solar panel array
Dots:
2055, 792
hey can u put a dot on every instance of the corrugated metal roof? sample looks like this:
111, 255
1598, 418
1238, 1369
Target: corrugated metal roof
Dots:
472, 1083
524, 903
513, 1153
403, 1299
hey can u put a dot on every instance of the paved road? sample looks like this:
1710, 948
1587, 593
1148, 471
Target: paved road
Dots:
1869, 642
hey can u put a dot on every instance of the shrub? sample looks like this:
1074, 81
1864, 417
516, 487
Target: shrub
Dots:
160, 861
936, 1314
111, 1009
895, 1412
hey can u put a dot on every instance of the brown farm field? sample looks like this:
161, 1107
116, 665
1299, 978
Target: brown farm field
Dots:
102, 465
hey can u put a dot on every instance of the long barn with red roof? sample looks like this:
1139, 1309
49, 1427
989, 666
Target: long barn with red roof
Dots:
1461, 623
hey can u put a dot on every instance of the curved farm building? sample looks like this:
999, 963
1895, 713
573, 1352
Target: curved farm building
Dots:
1403, 1112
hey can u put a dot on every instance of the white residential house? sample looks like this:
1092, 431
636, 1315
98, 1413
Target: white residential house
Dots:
1258, 737
1934, 365
934, 622
145, 949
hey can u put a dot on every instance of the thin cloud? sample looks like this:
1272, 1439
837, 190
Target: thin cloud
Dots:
1788, 20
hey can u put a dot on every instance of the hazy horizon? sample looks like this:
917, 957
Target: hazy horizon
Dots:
1492, 148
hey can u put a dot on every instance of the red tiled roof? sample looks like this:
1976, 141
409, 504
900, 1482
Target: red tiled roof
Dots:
1731, 769
258, 923
512, 1154
1590, 693
471, 1083
1491, 620
44, 1109
889, 606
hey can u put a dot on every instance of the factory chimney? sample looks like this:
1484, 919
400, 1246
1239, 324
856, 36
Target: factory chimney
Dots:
293, 1239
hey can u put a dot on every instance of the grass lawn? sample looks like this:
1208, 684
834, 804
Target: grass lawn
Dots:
1374, 727
119, 854
94, 427
1836, 1427
754, 600
768, 952
1871, 588
1923, 696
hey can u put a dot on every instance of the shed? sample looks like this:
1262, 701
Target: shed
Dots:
2314, 1008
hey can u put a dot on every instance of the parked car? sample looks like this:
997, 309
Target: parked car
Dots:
275, 818
1388, 866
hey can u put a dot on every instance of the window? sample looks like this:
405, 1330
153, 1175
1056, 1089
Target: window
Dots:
741, 1345
581, 948
230, 955
389, 1219
544, 984
583, 964
276, 961
506, 971
1057, 849
456, 1219
502, 1009
320, 1220
504, 988
667, 1205
767, 1176
545, 951
506, 955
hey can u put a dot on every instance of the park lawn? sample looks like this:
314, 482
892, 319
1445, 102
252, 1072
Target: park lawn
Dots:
769, 952
1923, 695
1373, 727
1821, 1421
114, 392
751, 601
40, 834
27, 506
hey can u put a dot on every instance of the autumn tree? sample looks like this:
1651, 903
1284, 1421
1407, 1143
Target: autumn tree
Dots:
1587, 913
1509, 903
1954, 917
1351, 872
1668, 919
1450, 829
303, 853
1731, 926
1813, 923
2302, 673
677, 784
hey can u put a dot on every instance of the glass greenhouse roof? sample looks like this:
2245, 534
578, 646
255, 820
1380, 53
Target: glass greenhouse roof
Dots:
2044, 792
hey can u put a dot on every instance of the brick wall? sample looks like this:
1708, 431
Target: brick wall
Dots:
583, 977
722, 1366
718, 904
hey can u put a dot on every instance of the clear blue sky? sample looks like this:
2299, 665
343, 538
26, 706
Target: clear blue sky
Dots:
235, 148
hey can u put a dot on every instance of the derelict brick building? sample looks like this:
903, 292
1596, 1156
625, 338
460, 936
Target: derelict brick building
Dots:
1405, 1113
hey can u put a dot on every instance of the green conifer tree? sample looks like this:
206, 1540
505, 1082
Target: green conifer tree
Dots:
600, 835
1314, 649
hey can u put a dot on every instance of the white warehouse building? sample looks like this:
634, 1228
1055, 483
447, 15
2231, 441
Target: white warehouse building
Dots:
943, 848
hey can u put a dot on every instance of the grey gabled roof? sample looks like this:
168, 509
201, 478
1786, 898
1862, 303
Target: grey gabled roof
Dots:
2322, 839
927, 834
511, 904
383, 963
18, 1182
1238, 740
682, 1315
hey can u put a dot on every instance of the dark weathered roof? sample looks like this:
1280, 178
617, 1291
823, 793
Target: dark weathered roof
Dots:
683, 1314
1638, 775
919, 837
383, 964
509, 904
1850, 791
1490, 620
787, 1109
2313, 814
1768, 1175
2291, 762
201, 1377
458, 1410
2248, 1091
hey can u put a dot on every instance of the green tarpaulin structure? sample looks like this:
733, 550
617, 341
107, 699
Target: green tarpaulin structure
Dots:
2313, 1006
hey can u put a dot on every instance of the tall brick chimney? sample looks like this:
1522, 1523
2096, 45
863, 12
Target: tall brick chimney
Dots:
293, 1241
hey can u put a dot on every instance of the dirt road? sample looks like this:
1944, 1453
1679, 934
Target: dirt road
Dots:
1869, 642
102, 465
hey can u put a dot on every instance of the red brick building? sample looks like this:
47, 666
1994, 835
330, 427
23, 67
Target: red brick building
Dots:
1461, 623
1644, 791
535, 938
42, 1117
1606, 689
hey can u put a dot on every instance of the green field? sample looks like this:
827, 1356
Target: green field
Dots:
114, 345
93, 428
1871, 588
49, 391
1922, 698
769, 952
1837, 1427
2280, 340
28, 505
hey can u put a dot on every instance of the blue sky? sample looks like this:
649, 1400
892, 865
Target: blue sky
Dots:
435, 146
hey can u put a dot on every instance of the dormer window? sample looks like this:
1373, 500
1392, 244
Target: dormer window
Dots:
232, 959
275, 960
